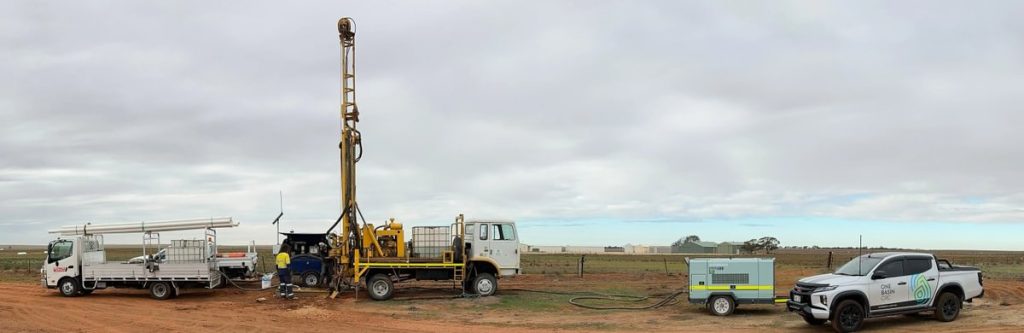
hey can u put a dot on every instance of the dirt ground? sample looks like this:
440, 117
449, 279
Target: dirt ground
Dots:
28, 307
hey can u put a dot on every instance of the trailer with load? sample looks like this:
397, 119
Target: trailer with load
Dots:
76, 262
721, 284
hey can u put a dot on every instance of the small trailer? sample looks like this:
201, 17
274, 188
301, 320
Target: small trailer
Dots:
76, 263
720, 284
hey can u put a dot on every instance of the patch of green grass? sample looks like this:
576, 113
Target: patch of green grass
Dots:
530, 302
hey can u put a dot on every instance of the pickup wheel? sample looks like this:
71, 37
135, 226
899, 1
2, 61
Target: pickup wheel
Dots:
380, 287
69, 287
161, 290
311, 279
721, 305
848, 316
948, 307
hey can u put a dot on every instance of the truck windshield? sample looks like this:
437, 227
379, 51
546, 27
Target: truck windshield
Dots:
859, 266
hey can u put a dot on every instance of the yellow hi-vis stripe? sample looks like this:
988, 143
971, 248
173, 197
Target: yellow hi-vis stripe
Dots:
747, 287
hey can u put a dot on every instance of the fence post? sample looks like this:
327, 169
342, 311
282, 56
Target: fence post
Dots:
666, 265
579, 267
829, 264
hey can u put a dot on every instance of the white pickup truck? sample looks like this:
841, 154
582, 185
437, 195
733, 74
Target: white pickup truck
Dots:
885, 284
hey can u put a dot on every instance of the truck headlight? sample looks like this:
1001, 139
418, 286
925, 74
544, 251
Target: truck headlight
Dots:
826, 288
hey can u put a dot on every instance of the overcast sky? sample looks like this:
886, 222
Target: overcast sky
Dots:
591, 123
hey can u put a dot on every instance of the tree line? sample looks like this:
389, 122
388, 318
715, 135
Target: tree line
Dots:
766, 244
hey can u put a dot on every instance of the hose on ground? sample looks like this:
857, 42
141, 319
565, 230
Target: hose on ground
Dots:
668, 299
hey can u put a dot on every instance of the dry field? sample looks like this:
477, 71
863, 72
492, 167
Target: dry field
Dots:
424, 307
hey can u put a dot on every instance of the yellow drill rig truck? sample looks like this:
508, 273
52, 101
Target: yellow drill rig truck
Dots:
472, 253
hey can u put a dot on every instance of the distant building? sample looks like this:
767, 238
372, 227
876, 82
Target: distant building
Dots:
637, 249
614, 249
659, 249
729, 247
695, 247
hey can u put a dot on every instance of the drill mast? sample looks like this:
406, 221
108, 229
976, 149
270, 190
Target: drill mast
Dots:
351, 142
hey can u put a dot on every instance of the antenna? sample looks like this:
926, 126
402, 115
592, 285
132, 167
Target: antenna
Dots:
277, 221
860, 253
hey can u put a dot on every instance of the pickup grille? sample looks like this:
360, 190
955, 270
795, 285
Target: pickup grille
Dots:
802, 288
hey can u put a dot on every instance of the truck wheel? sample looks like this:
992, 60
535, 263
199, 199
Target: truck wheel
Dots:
380, 287
813, 321
161, 290
69, 287
721, 305
948, 307
484, 284
848, 316
311, 279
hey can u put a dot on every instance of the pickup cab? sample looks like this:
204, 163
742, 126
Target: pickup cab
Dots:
885, 284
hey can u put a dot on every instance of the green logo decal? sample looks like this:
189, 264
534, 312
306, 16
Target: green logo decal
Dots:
920, 288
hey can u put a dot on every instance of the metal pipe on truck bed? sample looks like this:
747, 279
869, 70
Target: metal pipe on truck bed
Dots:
144, 226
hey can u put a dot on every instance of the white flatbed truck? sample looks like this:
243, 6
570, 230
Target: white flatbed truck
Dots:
76, 262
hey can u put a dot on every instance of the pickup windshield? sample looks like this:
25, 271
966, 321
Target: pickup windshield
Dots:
859, 266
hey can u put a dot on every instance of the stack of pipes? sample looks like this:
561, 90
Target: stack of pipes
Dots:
144, 226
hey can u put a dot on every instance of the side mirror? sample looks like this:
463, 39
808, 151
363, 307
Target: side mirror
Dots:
879, 275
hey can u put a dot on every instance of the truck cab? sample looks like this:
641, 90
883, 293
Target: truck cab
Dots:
494, 243
885, 284
63, 260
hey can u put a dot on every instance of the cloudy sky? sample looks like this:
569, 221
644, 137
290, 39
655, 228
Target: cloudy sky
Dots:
590, 123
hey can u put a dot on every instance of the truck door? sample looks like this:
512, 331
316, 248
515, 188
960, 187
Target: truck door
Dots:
504, 247
923, 279
889, 289
61, 261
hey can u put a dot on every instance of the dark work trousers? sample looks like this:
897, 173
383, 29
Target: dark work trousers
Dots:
284, 276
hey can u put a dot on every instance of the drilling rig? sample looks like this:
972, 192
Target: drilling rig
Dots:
472, 254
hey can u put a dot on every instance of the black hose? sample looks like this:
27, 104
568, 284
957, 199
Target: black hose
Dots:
669, 299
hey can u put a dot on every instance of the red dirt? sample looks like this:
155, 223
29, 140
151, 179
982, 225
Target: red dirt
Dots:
30, 308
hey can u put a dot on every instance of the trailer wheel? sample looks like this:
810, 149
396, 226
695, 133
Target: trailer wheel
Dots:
380, 287
69, 287
485, 284
721, 305
311, 279
161, 290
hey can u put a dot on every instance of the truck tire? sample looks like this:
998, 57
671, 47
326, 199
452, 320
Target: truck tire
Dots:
380, 287
848, 316
947, 308
311, 279
69, 287
721, 305
161, 290
484, 284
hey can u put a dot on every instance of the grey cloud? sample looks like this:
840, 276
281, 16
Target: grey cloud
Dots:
545, 111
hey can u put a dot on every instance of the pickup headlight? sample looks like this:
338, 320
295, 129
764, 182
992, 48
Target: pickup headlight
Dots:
826, 288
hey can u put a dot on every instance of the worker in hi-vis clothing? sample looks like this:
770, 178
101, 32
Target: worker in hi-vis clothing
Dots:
284, 275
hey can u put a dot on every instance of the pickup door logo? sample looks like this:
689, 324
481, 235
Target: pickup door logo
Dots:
59, 269
920, 289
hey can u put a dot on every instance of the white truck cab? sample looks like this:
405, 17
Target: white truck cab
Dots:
494, 242
884, 284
